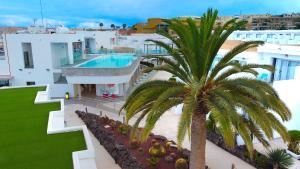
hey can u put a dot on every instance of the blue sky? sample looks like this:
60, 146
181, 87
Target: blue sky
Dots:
88, 13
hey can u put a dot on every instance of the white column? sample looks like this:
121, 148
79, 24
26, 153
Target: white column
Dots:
79, 90
70, 53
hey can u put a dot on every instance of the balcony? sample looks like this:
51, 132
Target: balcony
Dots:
80, 75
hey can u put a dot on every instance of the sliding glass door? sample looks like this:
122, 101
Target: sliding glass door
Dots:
285, 69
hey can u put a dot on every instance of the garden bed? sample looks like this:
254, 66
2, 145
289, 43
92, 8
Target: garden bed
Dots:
118, 145
259, 160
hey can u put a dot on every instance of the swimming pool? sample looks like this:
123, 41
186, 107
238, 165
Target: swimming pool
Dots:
109, 61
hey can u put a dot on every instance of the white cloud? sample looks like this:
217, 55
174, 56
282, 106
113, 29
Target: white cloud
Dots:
13, 20
20, 20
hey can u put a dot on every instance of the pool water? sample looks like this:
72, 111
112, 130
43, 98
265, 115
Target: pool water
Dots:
110, 61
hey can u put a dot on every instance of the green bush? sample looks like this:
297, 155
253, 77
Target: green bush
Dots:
181, 163
279, 159
123, 129
260, 160
294, 143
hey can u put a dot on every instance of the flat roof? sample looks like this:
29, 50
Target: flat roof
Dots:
230, 44
5, 77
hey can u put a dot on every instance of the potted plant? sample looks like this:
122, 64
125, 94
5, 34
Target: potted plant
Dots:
294, 144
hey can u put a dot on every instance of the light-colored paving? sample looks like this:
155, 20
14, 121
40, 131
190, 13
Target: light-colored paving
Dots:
216, 157
103, 159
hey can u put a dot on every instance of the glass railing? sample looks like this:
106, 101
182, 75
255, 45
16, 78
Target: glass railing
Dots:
77, 56
64, 61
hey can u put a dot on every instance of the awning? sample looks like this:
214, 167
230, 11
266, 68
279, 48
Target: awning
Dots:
5, 77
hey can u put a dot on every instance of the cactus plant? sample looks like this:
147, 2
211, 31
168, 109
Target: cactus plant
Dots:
157, 150
153, 161
123, 129
153, 141
181, 163
134, 144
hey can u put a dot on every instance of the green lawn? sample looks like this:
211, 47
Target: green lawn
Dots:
24, 143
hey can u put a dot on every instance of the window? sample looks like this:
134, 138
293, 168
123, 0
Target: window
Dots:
30, 83
2, 53
258, 36
27, 54
4, 83
285, 69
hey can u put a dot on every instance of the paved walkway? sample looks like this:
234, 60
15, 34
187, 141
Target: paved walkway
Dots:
216, 157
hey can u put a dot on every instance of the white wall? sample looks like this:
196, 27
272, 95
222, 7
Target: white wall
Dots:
137, 41
4, 69
59, 90
41, 52
102, 38
287, 90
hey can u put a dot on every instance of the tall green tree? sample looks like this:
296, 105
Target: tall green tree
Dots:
204, 88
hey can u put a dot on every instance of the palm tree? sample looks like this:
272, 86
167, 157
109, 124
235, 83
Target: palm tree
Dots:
101, 25
279, 159
204, 88
113, 26
124, 25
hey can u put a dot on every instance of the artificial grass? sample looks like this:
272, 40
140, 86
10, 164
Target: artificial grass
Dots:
24, 143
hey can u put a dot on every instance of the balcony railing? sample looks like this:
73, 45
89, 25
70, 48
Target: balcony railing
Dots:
79, 71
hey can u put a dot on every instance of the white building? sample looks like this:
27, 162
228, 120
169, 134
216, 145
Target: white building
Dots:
57, 59
269, 36
35, 59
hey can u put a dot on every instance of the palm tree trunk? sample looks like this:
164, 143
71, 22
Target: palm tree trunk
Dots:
198, 141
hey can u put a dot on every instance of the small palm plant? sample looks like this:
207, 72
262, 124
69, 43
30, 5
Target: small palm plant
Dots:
279, 159
204, 87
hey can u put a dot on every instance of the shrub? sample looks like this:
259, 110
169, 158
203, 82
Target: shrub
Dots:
134, 144
141, 151
294, 143
153, 161
260, 160
157, 150
105, 120
181, 163
123, 129
279, 159
112, 123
